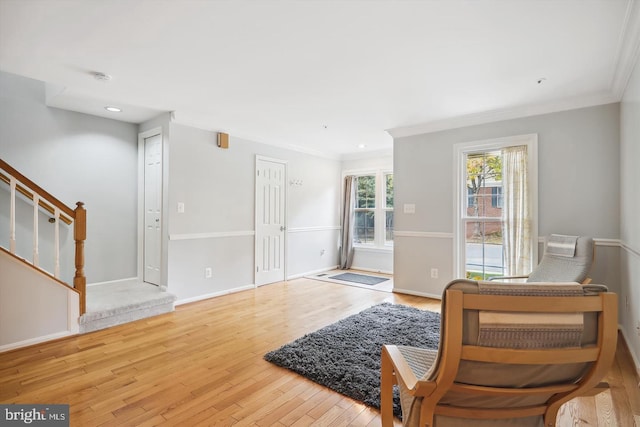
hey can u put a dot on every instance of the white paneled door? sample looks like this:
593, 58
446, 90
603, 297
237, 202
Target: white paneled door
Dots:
270, 220
152, 208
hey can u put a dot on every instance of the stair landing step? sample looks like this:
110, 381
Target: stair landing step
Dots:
117, 303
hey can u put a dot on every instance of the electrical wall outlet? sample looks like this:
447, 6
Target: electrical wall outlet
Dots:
434, 273
409, 208
208, 273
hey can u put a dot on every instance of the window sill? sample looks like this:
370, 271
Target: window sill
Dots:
378, 249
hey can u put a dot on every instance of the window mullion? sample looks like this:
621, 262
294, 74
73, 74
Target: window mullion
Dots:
379, 224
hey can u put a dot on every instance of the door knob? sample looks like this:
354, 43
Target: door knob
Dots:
282, 228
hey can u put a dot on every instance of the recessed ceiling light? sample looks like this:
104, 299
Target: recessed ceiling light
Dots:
113, 109
362, 146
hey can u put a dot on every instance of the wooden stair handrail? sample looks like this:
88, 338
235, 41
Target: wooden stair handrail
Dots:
53, 202
78, 216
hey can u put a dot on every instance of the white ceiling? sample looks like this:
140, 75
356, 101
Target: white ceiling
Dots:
322, 76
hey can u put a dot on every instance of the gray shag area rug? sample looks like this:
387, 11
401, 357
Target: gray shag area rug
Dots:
345, 356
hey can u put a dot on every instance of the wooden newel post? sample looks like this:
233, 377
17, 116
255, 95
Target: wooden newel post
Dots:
80, 235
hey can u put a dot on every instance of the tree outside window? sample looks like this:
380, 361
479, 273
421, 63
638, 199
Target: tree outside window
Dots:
365, 209
388, 208
483, 225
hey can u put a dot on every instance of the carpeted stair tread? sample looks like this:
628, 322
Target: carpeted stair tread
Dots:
114, 304
161, 299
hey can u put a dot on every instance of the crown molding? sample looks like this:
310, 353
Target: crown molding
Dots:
492, 116
628, 49
362, 155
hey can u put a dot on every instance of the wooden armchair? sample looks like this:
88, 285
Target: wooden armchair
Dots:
509, 355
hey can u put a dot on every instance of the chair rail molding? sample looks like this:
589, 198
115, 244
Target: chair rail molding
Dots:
212, 235
630, 249
541, 239
424, 234
313, 229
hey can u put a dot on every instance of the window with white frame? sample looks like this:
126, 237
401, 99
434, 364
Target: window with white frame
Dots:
373, 209
496, 187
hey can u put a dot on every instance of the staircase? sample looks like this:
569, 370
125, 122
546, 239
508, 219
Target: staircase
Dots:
38, 305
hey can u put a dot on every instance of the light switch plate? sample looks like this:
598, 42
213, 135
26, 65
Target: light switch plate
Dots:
409, 208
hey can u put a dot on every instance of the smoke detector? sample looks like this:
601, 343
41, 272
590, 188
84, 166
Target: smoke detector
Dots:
101, 76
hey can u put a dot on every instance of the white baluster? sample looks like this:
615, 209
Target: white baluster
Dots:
56, 244
12, 217
36, 256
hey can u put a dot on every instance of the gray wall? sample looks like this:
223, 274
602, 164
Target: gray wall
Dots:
216, 229
630, 214
75, 157
578, 186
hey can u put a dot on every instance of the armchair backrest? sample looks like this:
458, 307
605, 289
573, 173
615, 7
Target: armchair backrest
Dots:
565, 259
520, 350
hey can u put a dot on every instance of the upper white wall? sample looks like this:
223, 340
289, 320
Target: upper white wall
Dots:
76, 157
579, 192
217, 185
630, 213
629, 156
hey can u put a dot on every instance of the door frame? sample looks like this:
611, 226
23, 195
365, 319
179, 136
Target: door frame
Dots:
163, 222
255, 214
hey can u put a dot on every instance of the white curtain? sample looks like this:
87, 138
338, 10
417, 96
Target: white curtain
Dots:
346, 250
516, 212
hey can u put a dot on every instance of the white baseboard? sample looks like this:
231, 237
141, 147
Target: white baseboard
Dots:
311, 273
214, 294
635, 357
371, 270
108, 282
416, 293
37, 340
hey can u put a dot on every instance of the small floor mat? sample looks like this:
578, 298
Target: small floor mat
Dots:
359, 278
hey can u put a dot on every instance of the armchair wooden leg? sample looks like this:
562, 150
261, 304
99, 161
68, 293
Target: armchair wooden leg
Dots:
386, 390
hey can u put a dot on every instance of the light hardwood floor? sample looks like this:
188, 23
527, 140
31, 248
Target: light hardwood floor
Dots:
202, 365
